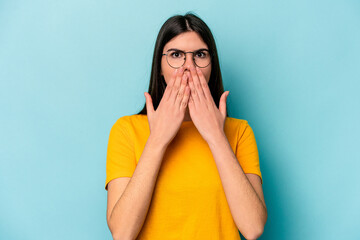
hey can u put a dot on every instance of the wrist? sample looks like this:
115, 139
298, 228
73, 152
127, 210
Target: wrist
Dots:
156, 143
217, 139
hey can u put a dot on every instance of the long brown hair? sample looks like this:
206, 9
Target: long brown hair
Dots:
174, 26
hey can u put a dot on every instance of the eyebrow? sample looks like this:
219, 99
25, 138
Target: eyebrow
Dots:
175, 49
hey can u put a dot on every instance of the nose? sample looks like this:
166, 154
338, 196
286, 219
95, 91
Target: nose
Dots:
189, 61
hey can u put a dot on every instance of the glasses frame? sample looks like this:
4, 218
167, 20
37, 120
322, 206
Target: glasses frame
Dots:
193, 58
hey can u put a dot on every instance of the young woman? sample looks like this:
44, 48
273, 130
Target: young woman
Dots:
181, 168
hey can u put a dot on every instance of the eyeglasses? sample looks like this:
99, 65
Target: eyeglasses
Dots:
176, 58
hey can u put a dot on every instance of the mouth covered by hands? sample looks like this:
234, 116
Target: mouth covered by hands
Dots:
208, 119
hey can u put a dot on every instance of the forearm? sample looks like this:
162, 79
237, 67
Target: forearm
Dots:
247, 209
129, 213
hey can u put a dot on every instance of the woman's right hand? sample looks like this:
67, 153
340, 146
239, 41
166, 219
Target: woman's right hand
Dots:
165, 122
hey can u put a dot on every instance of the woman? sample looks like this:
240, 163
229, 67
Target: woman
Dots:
181, 168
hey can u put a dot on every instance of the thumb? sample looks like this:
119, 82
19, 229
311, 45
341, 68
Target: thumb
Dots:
222, 104
149, 103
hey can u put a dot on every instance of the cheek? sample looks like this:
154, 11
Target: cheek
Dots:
167, 75
208, 74
164, 72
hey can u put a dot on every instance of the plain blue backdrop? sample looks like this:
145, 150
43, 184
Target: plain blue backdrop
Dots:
70, 69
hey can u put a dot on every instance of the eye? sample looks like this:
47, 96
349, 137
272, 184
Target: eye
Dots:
176, 54
201, 54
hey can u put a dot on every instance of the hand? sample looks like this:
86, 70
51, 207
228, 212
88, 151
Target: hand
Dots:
165, 122
208, 119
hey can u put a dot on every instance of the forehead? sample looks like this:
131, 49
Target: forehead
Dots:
187, 41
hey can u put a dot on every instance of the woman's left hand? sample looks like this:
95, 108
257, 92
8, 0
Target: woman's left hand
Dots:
207, 118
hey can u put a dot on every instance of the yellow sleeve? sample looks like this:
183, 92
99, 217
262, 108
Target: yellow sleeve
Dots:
120, 160
247, 151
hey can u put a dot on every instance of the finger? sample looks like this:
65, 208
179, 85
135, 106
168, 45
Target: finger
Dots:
176, 86
222, 104
170, 84
191, 101
180, 94
185, 99
149, 103
194, 95
197, 84
205, 86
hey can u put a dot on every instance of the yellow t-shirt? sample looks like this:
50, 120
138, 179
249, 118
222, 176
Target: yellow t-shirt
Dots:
188, 201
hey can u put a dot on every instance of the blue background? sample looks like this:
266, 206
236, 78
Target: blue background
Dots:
70, 69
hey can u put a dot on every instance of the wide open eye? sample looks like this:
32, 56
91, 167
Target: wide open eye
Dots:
176, 54
201, 54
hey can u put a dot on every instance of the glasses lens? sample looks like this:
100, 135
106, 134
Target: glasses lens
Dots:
177, 58
202, 58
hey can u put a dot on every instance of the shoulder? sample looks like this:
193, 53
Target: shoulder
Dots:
236, 122
240, 127
131, 119
131, 122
